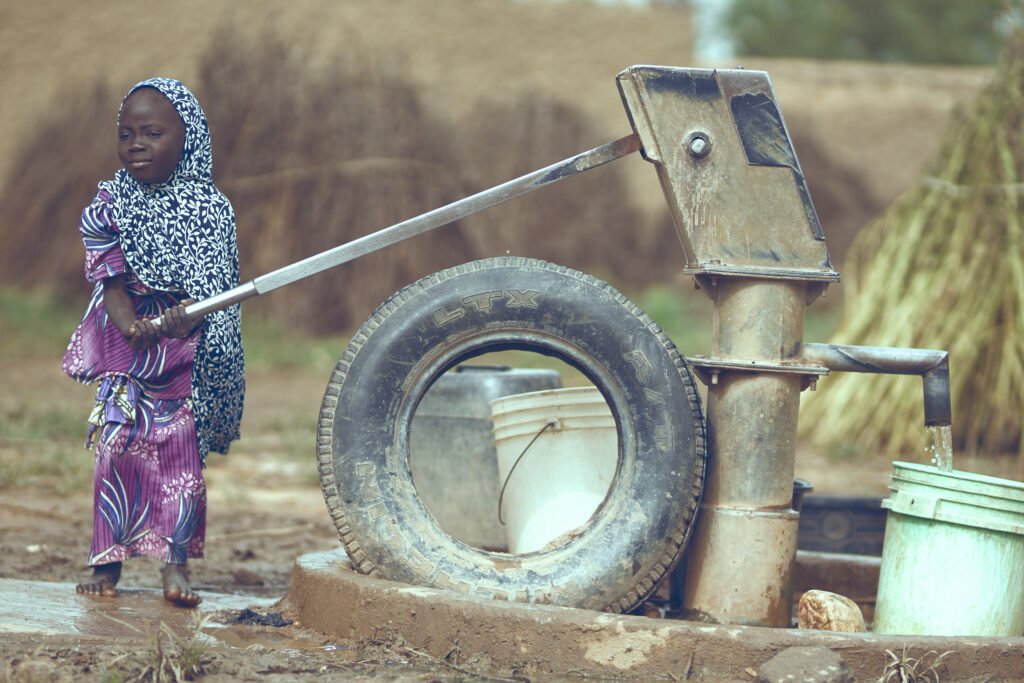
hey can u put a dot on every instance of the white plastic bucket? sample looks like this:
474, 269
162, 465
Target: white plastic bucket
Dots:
569, 450
953, 556
452, 433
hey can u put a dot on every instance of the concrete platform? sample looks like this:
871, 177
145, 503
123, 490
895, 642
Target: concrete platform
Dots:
327, 595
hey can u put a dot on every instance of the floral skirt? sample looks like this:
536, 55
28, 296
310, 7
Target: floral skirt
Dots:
148, 488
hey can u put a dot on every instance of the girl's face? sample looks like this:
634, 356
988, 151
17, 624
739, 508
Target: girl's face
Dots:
150, 136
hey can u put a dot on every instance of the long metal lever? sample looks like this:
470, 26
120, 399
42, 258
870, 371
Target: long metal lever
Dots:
416, 226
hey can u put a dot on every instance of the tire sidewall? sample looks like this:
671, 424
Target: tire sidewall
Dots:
640, 529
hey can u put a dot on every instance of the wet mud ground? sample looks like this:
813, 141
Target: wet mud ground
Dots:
265, 510
263, 514
48, 632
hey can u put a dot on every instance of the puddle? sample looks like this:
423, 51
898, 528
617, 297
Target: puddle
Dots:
56, 609
245, 636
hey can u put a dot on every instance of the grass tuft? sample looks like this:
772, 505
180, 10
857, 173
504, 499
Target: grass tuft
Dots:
903, 668
168, 657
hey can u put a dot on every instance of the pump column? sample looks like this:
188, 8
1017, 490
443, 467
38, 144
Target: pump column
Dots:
739, 562
753, 241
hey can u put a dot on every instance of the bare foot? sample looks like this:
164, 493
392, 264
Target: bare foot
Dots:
105, 581
176, 587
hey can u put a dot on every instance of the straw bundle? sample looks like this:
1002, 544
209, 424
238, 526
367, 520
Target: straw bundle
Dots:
315, 157
42, 203
943, 268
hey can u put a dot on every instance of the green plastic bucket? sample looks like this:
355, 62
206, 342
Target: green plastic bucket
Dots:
953, 557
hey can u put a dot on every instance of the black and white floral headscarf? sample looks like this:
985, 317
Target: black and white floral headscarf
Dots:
180, 237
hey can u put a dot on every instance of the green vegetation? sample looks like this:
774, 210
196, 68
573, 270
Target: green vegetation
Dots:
35, 323
40, 438
42, 423
272, 344
685, 316
61, 467
43, 419
918, 31
903, 668
38, 324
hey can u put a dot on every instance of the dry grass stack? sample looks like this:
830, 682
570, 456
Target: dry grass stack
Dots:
942, 268
842, 198
57, 171
313, 158
586, 222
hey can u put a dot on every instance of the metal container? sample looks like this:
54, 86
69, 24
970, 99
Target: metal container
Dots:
842, 524
452, 455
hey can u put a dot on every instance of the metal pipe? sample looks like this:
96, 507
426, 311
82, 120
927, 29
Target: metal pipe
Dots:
738, 568
216, 302
752, 240
931, 364
938, 408
417, 225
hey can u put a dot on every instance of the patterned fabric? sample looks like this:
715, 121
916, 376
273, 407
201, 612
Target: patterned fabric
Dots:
115, 404
149, 494
150, 497
181, 237
97, 348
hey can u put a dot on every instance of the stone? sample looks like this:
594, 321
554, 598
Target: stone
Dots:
805, 665
245, 577
825, 611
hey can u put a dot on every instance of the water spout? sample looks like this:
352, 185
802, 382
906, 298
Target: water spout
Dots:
938, 410
932, 365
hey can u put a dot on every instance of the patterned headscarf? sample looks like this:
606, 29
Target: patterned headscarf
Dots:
180, 237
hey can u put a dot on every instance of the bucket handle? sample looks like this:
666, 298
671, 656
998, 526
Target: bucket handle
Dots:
552, 422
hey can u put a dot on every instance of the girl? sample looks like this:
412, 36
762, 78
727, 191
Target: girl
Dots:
157, 235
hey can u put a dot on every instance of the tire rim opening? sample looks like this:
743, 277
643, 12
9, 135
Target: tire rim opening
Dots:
513, 451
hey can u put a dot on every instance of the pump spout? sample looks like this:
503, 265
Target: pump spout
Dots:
938, 410
932, 365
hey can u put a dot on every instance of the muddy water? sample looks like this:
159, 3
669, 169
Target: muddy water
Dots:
56, 609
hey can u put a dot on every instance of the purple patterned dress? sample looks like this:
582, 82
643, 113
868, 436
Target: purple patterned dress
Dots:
150, 497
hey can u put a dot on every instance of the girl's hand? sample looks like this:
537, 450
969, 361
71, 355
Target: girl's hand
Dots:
176, 322
143, 334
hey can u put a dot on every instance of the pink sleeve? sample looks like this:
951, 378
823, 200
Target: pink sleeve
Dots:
103, 255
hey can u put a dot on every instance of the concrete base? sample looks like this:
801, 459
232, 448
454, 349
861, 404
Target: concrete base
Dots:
542, 640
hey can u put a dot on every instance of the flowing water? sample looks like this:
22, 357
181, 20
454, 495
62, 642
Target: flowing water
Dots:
941, 447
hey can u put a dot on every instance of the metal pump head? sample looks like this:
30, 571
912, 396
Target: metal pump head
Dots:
729, 172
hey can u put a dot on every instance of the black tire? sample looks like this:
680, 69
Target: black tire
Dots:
635, 537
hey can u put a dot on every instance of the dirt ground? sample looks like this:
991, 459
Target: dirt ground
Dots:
251, 551
263, 513
265, 510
